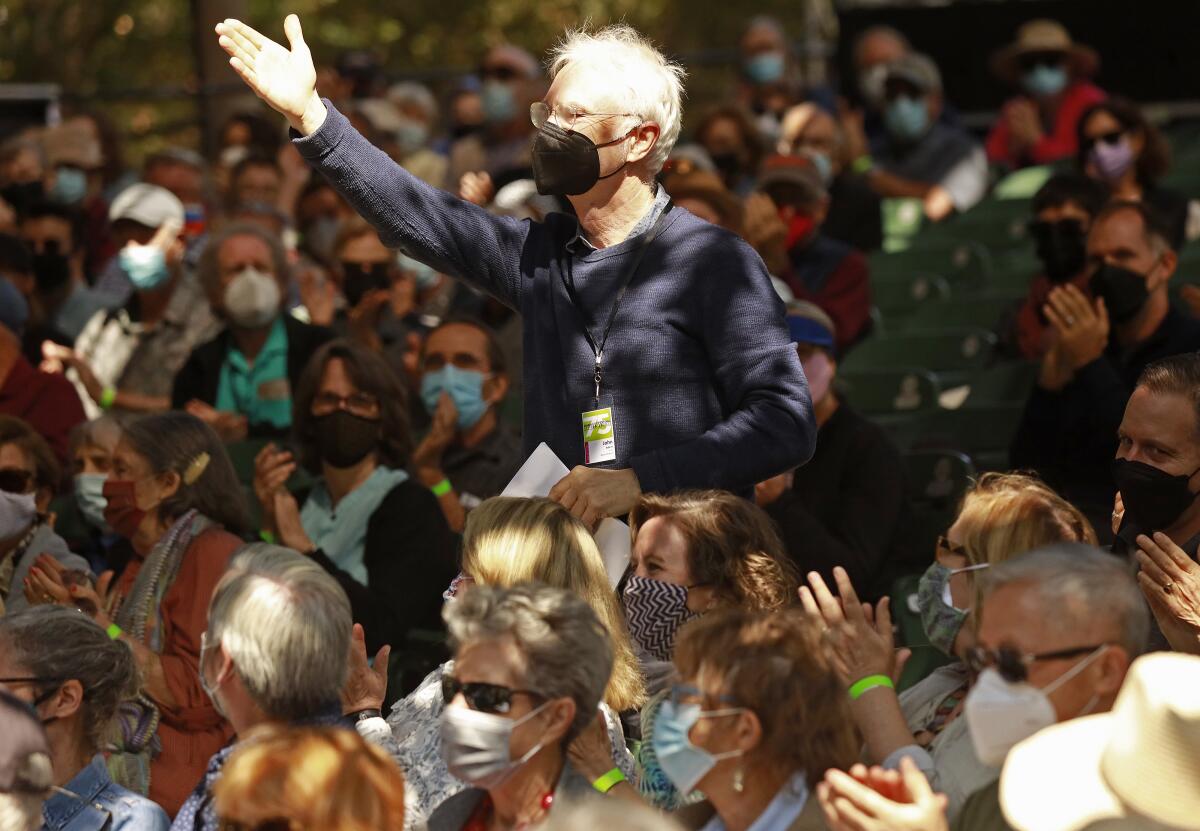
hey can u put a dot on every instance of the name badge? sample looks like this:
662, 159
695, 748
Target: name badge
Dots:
599, 432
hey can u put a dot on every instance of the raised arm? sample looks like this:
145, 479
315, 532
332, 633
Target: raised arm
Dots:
446, 232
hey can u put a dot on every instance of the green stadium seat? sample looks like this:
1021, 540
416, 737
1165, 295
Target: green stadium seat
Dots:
906, 615
875, 391
981, 311
937, 479
962, 350
904, 294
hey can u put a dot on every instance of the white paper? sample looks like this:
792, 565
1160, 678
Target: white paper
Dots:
542, 471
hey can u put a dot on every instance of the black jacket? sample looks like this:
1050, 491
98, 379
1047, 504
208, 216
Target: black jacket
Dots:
409, 555
198, 378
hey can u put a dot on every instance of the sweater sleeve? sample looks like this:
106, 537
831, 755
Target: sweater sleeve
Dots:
769, 425
449, 234
409, 555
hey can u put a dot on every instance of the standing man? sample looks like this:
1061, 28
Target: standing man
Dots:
655, 348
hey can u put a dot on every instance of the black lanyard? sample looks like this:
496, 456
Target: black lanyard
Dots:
568, 279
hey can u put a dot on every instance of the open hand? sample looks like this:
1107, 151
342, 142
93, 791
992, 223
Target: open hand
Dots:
879, 800
285, 79
1082, 325
289, 529
591, 752
862, 636
366, 685
1170, 580
477, 188
442, 430
272, 469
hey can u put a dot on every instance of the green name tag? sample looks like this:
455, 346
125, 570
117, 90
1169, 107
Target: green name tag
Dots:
599, 436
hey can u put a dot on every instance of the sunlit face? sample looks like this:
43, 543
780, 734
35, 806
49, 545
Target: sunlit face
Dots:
585, 99
660, 552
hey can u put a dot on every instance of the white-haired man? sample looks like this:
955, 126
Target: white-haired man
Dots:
656, 355
275, 651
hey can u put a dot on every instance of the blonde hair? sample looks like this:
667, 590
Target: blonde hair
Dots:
508, 541
312, 778
1006, 514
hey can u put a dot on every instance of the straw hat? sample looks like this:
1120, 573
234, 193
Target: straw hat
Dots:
1044, 36
1136, 768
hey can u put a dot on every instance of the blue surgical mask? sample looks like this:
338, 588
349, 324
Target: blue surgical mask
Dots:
1043, 81
465, 388
144, 265
70, 186
684, 763
823, 166
411, 136
89, 497
764, 68
906, 118
499, 102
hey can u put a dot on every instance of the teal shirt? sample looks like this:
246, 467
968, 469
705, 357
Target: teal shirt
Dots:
260, 392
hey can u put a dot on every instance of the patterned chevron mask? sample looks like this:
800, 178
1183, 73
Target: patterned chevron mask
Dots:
654, 611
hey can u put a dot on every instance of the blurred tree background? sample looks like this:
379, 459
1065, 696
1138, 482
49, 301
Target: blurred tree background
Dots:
140, 61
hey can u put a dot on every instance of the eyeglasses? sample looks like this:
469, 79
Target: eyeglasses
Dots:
359, 403
1111, 138
15, 480
540, 114
486, 698
1013, 665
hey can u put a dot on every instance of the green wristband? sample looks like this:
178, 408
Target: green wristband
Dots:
609, 780
863, 685
862, 164
114, 631
266, 536
442, 488
107, 398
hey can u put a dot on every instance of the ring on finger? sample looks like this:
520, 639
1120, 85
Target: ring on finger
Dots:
1168, 587
1070, 320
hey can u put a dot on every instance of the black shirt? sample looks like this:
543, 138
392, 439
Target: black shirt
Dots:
848, 506
855, 213
484, 470
1070, 436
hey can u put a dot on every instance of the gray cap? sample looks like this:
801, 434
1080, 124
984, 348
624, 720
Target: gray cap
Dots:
919, 70
25, 753
147, 205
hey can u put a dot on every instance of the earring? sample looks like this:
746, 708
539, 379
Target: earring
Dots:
739, 780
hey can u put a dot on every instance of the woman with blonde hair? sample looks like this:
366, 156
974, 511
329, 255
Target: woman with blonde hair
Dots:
508, 541
309, 779
1002, 516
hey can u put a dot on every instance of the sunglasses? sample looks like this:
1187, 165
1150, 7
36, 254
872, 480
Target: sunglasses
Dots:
15, 480
1013, 665
1111, 138
944, 544
498, 73
486, 698
1036, 59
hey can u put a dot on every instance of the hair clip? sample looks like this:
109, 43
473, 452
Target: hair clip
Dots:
196, 468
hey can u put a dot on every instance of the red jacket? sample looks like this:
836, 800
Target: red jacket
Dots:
1059, 143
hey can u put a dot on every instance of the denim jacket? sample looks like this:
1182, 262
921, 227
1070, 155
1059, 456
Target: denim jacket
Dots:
99, 804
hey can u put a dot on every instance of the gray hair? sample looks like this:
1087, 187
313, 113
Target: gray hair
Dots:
411, 93
1078, 584
648, 84
61, 644
568, 654
104, 431
285, 623
208, 269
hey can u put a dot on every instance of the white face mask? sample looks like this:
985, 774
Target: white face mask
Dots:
1001, 714
252, 298
476, 746
17, 512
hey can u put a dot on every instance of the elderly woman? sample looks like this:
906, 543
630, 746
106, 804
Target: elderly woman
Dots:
91, 448
378, 532
758, 717
75, 676
29, 475
530, 666
309, 779
1004, 515
173, 494
508, 541
694, 552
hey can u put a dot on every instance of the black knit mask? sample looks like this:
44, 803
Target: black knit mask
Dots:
567, 163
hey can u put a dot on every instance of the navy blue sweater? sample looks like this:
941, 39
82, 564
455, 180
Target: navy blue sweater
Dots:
706, 385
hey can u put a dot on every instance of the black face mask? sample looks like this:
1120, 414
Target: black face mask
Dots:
1062, 248
1123, 291
344, 439
362, 278
464, 130
22, 194
567, 163
1153, 498
51, 271
729, 165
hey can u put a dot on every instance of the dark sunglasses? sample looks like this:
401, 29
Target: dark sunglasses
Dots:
944, 544
1013, 665
1111, 138
1040, 229
486, 698
15, 480
1036, 59
498, 73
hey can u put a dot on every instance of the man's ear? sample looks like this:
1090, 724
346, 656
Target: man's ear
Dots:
1168, 262
499, 388
645, 140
